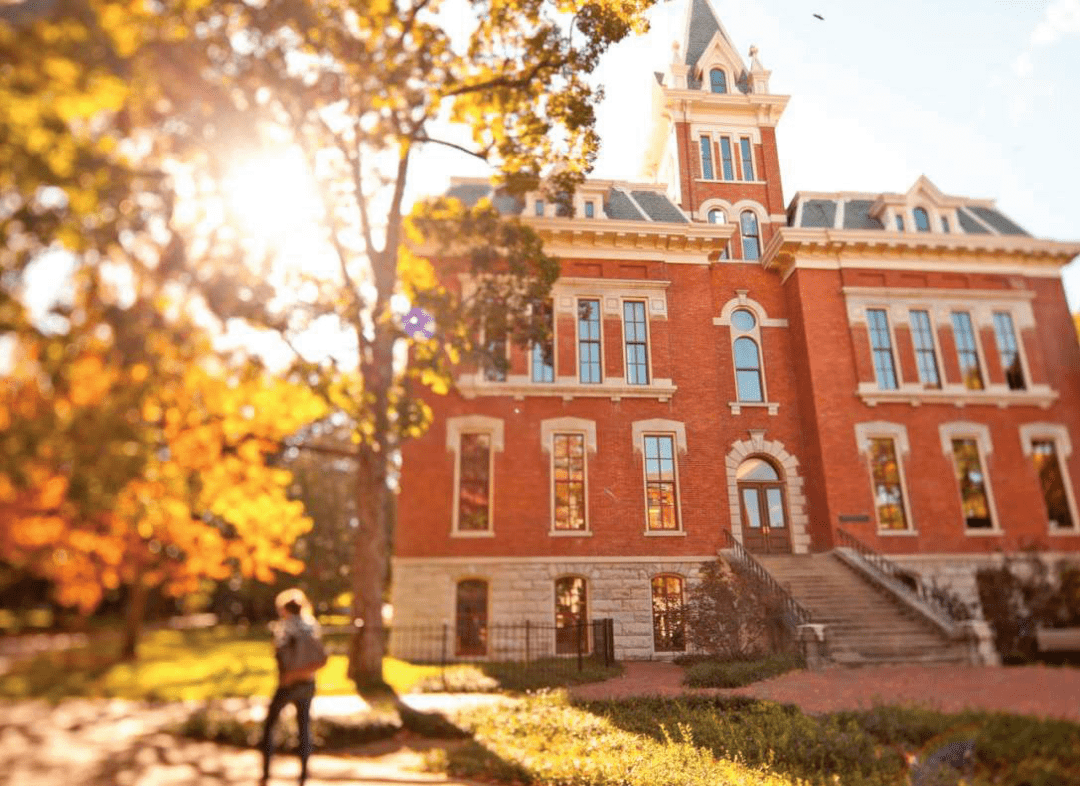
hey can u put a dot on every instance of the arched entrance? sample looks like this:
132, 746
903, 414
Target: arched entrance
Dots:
765, 528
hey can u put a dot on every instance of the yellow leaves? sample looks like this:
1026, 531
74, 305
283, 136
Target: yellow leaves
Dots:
89, 380
52, 493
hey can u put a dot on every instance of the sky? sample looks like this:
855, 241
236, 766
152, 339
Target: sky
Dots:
981, 96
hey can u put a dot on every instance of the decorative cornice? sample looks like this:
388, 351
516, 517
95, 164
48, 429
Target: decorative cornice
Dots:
789, 243
616, 235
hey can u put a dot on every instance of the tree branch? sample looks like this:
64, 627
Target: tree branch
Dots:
505, 81
483, 156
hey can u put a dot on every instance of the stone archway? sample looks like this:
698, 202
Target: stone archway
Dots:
757, 445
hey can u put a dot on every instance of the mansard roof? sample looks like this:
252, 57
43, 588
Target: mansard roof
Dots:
621, 201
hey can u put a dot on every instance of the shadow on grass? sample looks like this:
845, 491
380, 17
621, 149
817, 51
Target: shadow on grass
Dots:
516, 677
868, 747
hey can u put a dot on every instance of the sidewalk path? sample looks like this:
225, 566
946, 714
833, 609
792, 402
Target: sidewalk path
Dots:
1045, 691
97, 742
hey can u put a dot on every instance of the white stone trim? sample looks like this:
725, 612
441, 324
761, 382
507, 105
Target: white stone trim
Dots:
640, 428
549, 426
798, 517
742, 301
896, 432
460, 424
1058, 434
981, 434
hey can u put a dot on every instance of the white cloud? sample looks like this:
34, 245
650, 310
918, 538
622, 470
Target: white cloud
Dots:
1023, 66
1062, 18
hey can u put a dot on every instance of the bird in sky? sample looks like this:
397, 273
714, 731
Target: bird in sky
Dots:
819, 16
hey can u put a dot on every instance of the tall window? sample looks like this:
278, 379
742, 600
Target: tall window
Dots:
589, 367
748, 369
568, 459
900, 222
726, 159
538, 207
571, 615
751, 242
1044, 454
669, 624
747, 159
718, 81
922, 336
474, 483
881, 344
660, 491
966, 352
470, 637
922, 220
590, 210
944, 224
969, 474
1008, 350
706, 158
543, 353
888, 494
495, 363
637, 356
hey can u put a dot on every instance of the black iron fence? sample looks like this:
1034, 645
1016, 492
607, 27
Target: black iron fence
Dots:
521, 654
795, 613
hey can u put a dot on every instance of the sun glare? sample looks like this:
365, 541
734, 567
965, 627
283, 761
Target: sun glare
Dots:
273, 196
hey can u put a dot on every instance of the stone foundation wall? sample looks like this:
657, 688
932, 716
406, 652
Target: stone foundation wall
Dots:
423, 594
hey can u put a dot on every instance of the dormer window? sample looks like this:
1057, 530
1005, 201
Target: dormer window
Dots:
922, 220
716, 216
899, 222
590, 210
944, 224
539, 207
717, 81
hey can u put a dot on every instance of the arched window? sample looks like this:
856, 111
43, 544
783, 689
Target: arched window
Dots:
751, 242
718, 81
716, 216
669, 625
471, 612
571, 615
922, 221
748, 369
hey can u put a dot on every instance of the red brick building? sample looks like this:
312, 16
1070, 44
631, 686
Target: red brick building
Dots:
901, 366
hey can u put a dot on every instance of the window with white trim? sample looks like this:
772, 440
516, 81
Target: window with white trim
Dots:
706, 158
945, 224
972, 479
751, 240
717, 81
727, 162
568, 480
967, 352
1049, 469
474, 482
538, 207
899, 222
542, 354
590, 210
661, 483
888, 488
877, 322
635, 336
1009, 350
496, 361
922, 338
922, 219
571, 615
669, 620
746, 153
590, 365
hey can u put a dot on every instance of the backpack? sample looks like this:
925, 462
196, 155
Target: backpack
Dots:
303, 651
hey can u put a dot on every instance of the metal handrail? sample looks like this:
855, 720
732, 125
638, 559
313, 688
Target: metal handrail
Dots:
796, 613
885, 567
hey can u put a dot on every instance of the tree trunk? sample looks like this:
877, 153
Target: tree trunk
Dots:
138, 594
371, 554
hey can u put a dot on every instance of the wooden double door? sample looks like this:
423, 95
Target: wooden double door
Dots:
763, 508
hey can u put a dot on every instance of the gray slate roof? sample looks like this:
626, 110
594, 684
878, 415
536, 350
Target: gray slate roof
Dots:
619, 203
703, 26
819, 213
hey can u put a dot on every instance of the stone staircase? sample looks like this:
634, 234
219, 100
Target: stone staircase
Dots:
865, 625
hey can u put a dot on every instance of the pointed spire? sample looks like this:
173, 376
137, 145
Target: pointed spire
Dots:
700, 29
759, 77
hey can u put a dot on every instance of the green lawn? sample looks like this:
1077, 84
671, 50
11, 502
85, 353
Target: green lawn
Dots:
180, 665
705, 741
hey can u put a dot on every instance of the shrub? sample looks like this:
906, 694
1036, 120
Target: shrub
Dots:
732, 615
734, 674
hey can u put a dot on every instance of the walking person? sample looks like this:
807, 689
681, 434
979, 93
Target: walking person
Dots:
299, 652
